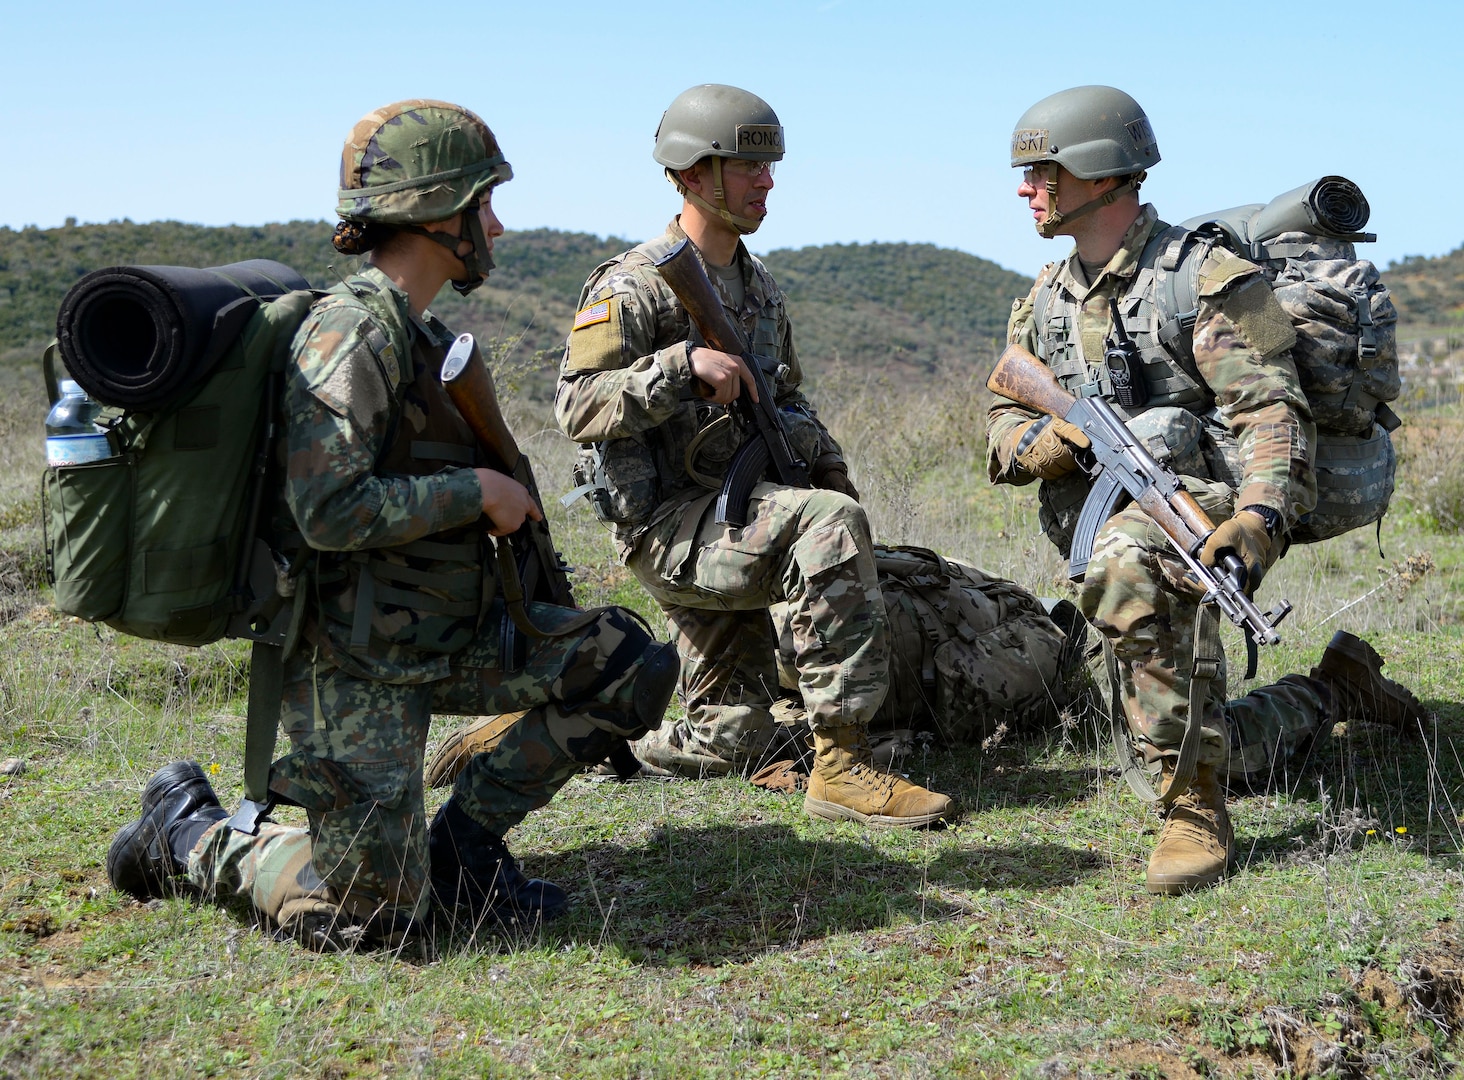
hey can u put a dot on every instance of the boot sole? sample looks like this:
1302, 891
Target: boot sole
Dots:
835, 812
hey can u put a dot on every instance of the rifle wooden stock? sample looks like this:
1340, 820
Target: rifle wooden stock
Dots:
682, 271
1023, 378
469, 383
540, 574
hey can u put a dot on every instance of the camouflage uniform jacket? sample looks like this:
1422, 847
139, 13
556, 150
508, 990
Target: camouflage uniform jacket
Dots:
378, 482
1236, 418
626, 392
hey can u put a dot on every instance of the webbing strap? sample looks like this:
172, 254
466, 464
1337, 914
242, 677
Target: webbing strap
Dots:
1208, 658
365, 601
511, 587
266, 686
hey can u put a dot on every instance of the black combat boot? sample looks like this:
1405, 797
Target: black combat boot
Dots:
1353, 670
178, 806
474, 876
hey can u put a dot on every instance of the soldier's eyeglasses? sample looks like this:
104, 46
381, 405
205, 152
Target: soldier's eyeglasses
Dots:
750, 169
1036, 176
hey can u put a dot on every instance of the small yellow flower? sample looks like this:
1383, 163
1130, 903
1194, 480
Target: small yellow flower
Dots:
1401, 830
214, 768
1372, 832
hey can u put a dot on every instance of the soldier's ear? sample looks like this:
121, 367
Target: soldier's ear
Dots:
695, 178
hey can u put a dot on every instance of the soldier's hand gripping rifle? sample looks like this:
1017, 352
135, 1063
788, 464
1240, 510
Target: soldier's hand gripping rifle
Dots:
682, 271
529, 567
1118, 463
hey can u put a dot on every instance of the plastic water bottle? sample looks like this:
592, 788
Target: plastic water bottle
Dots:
72, 436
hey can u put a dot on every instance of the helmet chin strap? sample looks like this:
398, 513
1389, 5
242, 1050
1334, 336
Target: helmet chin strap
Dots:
744, 226
1048, 226
478, 262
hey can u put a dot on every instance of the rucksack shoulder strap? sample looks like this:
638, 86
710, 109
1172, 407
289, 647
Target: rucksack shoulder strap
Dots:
1176, 254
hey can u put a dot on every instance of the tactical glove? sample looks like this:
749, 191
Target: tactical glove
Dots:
1245, 535
832, 474
1045, 447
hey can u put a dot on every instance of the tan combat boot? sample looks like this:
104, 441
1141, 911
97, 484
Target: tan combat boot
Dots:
1354, 671
844, 785
1197, 844
477, 737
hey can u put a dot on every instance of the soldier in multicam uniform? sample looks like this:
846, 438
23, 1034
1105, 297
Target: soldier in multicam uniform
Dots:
1236, 425
648, 403
400, 619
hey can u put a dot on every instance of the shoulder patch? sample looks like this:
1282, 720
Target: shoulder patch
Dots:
1224, 273
596, 313
597, 342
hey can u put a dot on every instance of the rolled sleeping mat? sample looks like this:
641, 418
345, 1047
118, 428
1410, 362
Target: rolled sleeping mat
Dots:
1332, 206
136, 337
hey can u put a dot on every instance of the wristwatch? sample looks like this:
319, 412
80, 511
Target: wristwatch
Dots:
1270, 516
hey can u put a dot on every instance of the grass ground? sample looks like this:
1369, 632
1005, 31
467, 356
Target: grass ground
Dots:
719, 931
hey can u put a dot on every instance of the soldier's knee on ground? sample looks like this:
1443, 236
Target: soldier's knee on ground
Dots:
368, 843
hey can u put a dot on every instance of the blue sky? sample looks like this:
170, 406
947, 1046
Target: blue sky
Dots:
897, 117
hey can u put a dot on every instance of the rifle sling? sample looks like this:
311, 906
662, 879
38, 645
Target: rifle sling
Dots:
1207, 663
512, 588
266, 686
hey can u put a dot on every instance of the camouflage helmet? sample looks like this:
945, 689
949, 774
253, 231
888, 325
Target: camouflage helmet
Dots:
717, 122
417, 161
1091, 131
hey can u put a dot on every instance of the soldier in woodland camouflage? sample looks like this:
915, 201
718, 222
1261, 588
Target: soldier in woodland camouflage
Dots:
386, 501
648, 404
1235, 425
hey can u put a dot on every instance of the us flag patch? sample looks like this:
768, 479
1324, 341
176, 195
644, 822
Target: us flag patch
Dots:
595, 313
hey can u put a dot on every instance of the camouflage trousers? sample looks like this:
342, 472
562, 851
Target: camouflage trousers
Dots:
356, 766
1134, 594
810, 549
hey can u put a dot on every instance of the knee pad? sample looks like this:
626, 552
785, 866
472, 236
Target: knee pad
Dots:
608, 654
655, 683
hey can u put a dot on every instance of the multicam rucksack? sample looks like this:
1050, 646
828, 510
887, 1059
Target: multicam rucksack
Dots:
1346, 349
968, 651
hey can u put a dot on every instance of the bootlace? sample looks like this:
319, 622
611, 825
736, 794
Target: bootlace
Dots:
874, 779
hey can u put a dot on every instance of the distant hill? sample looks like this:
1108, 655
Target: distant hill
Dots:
1429, 292
906, 307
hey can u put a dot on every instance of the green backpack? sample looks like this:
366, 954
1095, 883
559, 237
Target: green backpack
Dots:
164, 539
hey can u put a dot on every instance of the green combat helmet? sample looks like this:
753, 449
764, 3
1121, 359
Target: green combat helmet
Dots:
421, 161
1092, 132
718, 122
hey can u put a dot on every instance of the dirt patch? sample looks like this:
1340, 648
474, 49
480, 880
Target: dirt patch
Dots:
38, 924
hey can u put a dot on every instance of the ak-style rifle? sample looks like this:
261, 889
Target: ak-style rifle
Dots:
682, 270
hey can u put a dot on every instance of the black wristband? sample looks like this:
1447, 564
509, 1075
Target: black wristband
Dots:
1270, 516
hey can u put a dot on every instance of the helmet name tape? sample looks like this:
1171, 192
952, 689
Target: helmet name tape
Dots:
760, 138
1142, 133
1029, 143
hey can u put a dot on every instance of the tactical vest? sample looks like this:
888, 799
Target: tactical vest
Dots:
1179, 423
627, 479
427, 594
